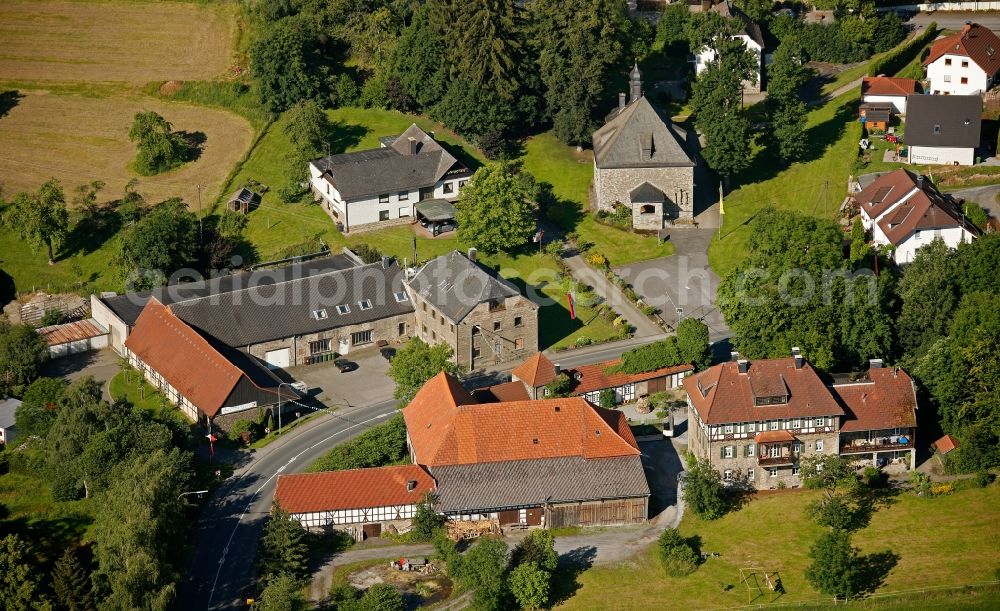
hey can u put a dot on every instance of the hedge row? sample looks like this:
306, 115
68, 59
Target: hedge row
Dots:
897, 59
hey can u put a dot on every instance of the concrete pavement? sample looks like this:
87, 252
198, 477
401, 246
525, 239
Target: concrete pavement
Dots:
613, 296
222, 565
985, 196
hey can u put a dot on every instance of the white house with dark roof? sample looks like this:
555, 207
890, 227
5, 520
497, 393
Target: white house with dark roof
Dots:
379, 187
943, 129
749, 33
640, 162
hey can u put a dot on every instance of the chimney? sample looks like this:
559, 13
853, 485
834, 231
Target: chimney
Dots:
920, 181
411, 146
472, 255
385, 262
874, 363
621, 100
743, 365
734, 356
556, 368
411, 485
797, 355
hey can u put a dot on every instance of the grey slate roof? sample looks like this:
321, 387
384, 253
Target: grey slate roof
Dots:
389, 169
646, 193
958, 118
286, 309
455, 285
498, 485
128, 306
7, 409
637, 127
750, 27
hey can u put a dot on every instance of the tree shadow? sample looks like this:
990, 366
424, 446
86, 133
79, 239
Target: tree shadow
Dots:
873, 569
565, 580
554, 322
196, 144
343, 136
8, 100
324, 546
563, 213
867, 502
8, 288
91, 232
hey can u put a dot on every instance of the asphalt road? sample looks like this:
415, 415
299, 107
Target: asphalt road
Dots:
954, 20
231, 524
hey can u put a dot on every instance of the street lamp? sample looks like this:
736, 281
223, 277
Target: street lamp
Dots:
289, 384
198, 492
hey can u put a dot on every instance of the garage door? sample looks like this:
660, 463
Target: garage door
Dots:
278, 358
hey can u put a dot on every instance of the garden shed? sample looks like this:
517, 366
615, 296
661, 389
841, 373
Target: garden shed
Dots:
243, 200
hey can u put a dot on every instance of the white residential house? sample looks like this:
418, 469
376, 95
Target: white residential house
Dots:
888, 90
906, 210
964, 63
380, 187
751, 36
943, 130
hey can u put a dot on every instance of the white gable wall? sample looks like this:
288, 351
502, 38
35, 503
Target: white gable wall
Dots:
907, 249
942, 155
898, 101
947, 79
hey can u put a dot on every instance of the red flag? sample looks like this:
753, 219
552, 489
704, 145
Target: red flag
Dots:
572, 306
211, 446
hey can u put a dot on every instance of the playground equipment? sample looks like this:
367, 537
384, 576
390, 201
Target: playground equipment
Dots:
756, 579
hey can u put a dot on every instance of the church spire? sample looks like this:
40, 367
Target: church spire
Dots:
635, 84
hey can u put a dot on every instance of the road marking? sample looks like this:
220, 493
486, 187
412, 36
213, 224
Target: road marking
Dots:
239, 521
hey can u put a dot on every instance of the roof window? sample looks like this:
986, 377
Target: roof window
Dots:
343, 309
400, 296
365, 304
319, 314
937, 128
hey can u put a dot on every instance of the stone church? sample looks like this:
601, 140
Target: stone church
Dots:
640, 162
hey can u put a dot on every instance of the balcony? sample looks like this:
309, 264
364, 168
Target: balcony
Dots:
773, 461
877, 444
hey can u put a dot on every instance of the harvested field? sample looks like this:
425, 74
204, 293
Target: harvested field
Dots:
79, 139
42, 40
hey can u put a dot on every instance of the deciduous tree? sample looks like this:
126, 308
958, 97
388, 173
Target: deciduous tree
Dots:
484, 567
19, 586
283, 63
692, 343
41, 218
164, 240
497, 212
530, 585
703, 491
159, 147
22, 352
417, 362
677, 556
381, 597
283, 593
835, 567
37, 411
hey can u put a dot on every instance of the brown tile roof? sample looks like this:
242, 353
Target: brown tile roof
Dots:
352, 489
185, 359
885, 400
721, 394
888, 86
537, 371
72, 332
774, 436
977, 43
447, 428
946, 444
885, 191
509, 391
923, 212
590, 378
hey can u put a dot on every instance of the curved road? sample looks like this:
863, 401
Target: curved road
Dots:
221, 568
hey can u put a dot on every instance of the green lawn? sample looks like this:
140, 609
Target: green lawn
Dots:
944, 541
815, 186
570, 174
46, 525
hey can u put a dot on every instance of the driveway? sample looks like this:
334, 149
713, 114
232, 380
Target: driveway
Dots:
985, 196
102, 365
683, 281
367, 384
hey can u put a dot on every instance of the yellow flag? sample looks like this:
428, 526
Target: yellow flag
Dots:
722, 202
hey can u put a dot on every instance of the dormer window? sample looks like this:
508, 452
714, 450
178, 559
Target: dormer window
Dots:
343, 309
937, 128
365, 304
400, 296
319, 314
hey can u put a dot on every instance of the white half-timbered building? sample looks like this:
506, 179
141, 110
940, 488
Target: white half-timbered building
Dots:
360, 502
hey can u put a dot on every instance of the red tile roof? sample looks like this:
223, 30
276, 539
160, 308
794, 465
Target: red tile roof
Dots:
885, 400
721, 394
536, 371
590, 378
888, 86
352, 489
72, 332
446, 428
923, 211
185, 359
509, 391
946, 444
977, 43
774, 436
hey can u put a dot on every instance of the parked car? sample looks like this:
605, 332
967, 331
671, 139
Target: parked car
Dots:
388, 353
425, 223
345, 365
444, 227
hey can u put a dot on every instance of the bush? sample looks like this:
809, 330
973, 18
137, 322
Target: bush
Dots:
426, 521
244, 426
560, 387
651, 356
896, 60
530, 585
942, 489
367, 252
52, 317
383, 444
606, 398
976, 214
676, 554
983, 479
703, 490
597, 260
921, 483
381, 597
583, 341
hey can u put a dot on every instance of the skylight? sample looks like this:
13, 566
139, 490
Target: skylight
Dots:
365, 304
319, 314
401, 296
343, 309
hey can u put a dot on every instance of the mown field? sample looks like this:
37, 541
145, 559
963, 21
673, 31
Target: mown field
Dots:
943, 541
132, 42
77, 139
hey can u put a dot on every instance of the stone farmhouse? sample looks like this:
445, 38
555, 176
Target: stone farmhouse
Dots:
640, 162
202, 342
483, 317
522, 464
905, 210
530, 380
965, 63
381, 187
749, 34
754, 420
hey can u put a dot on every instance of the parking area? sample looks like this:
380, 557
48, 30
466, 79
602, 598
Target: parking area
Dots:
102, 365
367, 384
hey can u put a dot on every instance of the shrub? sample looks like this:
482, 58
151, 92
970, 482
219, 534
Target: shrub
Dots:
896, 60
367, 252
703, 491
554, 248
983, 479
561, 386
976, 214
651, 356
52, 317
606, 398
942, 489
597, 260
583, 341
426, 521
921, 483
530, 585
244, 426
381, 445
677, 556
835, 568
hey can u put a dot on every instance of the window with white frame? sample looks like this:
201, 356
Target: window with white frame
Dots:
774, 425
729, 429
797, 423
819, 445
795, 470
727, 452
750, 475
819, 421
365, 304
751, 450
752, 427
727, 475
773, 472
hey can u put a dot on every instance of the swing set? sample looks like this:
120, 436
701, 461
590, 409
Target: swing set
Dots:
756, 579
